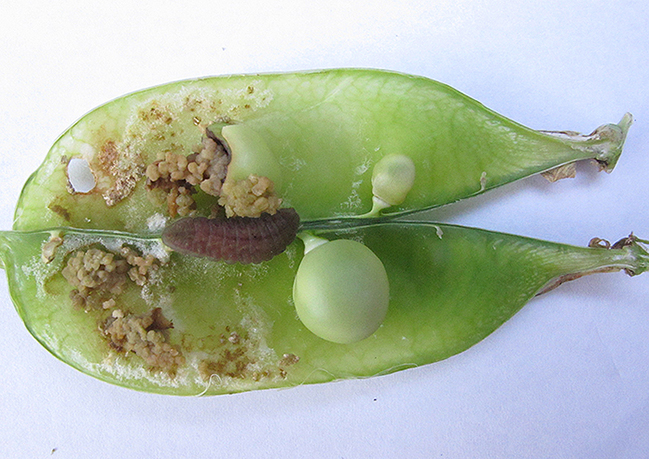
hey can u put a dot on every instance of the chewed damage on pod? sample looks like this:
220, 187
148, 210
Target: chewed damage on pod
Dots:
236, 233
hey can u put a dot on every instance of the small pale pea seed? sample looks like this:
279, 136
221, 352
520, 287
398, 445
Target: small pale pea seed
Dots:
392, 178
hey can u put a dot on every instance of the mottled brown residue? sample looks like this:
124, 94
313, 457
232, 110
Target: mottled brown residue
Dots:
144, 335
289, 359
560, 173
96, 275
178, 175
60, 210
235, 357
48, 251
249, 197
141, 267
233, 360
99, 276
117, 172
155, 114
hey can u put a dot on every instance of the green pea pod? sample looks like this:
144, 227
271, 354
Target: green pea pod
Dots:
317, 135
450, 287
95, 284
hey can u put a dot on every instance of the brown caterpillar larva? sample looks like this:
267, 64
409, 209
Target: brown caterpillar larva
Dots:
236, 239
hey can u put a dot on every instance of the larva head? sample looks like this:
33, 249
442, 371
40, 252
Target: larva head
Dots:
341, 291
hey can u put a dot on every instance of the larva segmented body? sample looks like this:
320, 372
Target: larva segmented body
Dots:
236, 239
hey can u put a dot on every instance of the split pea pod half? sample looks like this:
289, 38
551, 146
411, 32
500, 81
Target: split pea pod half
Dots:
317, 136
235, 328
155, 247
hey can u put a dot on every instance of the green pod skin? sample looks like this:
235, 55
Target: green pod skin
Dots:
450, 287
320, 133
318, 136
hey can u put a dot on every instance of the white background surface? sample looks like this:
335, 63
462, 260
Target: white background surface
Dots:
566, 378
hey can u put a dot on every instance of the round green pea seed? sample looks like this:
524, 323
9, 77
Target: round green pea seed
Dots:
341, 291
